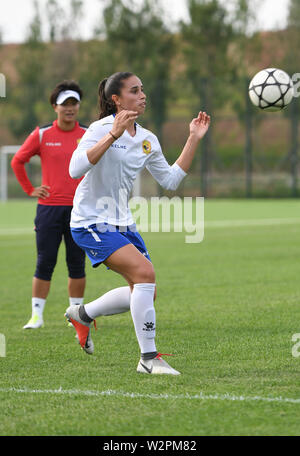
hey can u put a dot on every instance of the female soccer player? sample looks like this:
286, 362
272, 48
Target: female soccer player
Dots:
54, 144
111, 153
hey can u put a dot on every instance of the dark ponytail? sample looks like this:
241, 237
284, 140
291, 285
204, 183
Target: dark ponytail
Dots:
106, 107
108, 87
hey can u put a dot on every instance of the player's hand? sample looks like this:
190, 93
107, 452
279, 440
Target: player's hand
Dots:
200, 125
41, 192
122, 121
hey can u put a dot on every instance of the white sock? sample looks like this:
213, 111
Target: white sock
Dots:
75, 301
143, 315
38, 305
113, 302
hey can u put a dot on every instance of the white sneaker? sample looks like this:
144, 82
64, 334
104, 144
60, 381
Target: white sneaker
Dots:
70, 324
156, 366
36, 321
82, 328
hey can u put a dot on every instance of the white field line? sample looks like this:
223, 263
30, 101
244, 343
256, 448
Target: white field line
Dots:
15, 231
251, 222
182, 226
190, 227
110, 393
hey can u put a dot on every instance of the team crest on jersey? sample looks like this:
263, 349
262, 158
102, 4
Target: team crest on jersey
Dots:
146, 147
78, 140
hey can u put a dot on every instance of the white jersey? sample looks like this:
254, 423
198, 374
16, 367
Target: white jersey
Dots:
103, 193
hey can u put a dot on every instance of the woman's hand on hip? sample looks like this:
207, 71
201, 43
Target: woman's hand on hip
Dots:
40, 192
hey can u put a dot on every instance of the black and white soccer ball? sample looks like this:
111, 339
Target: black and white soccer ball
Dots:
271, 89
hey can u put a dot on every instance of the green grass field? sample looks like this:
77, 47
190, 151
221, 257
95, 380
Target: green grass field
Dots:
227, 308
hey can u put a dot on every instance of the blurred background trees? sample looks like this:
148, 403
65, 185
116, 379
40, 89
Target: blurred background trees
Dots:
202, 63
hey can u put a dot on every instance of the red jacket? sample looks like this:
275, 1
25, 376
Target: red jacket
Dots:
55, 148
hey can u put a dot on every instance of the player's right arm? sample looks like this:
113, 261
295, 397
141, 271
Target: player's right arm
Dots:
95, 143
122, 121
30, 147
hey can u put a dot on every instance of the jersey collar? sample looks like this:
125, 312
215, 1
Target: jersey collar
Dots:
55, 124
135, 124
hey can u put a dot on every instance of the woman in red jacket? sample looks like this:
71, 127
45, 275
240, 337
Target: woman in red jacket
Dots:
54, 144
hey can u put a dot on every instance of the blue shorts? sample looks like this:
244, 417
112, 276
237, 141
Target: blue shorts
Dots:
101, 240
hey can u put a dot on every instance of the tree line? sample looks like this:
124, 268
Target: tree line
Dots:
203, 63
197, 63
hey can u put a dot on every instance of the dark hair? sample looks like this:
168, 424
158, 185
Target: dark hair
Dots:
108, 87
62, 86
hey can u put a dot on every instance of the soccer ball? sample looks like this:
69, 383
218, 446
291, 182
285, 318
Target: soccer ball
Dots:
271, 89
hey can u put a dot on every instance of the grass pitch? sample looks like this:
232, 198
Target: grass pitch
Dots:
227, 308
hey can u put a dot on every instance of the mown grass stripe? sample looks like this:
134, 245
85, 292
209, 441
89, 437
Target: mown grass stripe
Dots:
132, 395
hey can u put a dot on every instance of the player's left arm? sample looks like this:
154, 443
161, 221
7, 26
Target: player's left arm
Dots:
169, 177
198, 128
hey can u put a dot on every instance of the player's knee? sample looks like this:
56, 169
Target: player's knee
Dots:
44, 272
145, 274
76, 271
76, 264
45, 267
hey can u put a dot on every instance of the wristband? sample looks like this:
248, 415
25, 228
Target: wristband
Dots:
112, 135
